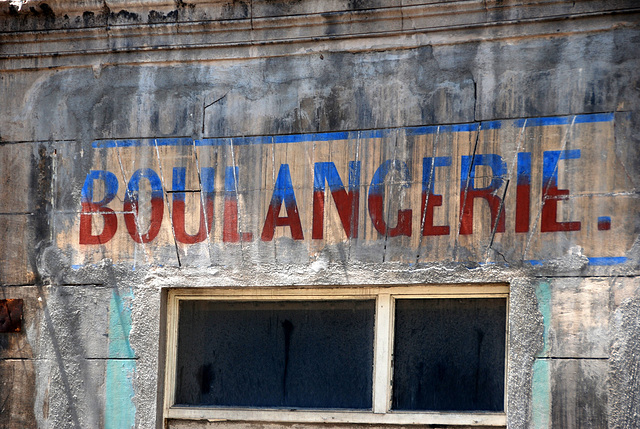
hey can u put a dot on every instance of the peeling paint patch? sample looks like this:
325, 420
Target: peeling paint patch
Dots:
120, 412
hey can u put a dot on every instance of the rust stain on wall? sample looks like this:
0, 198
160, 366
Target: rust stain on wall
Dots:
10, 315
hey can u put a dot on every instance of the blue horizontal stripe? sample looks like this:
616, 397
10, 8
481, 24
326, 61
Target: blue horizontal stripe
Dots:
597, 117
611, 260
352, 135
295, 138
564, 120
538, 122
614, 260
102, 144
435, 129
171, 142
491, 125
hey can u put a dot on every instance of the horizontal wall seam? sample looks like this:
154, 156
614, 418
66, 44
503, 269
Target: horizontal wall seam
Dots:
112, 358
572, 358
17, 213
23, 359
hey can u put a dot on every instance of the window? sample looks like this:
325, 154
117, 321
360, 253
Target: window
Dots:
397, 354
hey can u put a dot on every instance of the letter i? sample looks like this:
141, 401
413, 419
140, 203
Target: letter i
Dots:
523, 192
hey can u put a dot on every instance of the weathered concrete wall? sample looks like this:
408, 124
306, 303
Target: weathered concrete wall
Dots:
154, 87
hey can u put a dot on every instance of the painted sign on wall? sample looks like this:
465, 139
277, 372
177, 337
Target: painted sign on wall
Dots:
512, 190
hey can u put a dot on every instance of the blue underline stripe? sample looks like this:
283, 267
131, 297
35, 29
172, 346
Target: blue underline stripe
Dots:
603, 260
564, 120
352, 135
611, 260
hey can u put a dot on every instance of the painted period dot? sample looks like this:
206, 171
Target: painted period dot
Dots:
604, 223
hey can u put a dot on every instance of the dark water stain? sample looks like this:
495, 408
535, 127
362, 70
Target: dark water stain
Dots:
180, 4
206, 377
125, 15
360, 4
47, 11
236, 9
40, 181
155, 16
287, 327
88, 18
480, 337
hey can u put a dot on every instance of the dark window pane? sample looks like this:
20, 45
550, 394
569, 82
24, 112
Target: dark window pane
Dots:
294, 354
449, 354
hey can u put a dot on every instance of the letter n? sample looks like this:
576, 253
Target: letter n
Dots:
347, 203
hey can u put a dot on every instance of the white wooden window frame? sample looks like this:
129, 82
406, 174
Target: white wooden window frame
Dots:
381, 413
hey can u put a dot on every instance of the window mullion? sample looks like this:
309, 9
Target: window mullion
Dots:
382, 355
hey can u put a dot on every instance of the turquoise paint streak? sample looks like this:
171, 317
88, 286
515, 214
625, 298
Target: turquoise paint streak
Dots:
541, 382
120, 412
541, 412
543, 293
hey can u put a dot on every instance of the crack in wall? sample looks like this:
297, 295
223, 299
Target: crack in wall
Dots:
169, 207
497, 222
235, 169
273, 174
475, 98
545, 189
205, 107
464, 194
360, 190
202, 198
512, 169
432, 177
135, 248
387, 201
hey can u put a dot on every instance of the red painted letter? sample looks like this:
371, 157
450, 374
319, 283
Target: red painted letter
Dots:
131, 205
551, 194
376, 198
89, 207
347, 203
523, 192
468, 191
283, 192
429, 199
178, 214
230, 233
